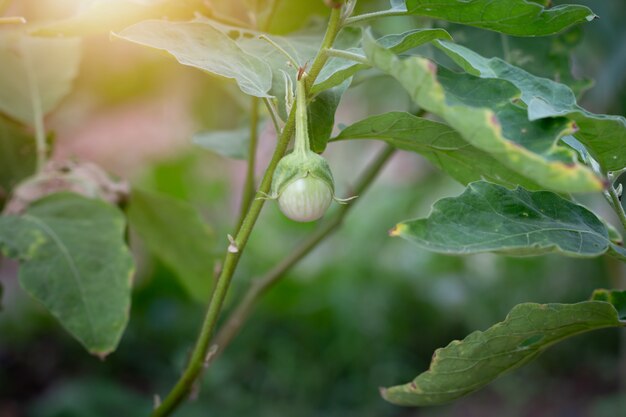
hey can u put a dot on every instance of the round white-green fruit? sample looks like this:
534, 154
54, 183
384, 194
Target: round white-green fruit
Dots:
305, 199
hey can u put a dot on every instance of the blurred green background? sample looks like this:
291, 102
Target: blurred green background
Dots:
362, 311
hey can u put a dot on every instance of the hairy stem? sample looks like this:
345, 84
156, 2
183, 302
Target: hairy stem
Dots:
301, 144
259, 287
199, 355
614, 201
249, 185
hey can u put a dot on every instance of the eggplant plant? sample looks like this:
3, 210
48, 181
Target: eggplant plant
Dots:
525, 151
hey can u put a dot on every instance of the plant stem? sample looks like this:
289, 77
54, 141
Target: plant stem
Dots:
301, 142
259, 287
615, 202
347, 55
273, 113
334, 26
374, 15
35, 98
249, 185
199, 355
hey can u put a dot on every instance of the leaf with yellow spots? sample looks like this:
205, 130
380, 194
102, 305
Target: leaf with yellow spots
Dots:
440, 144
604, 136
491, 218
484, 112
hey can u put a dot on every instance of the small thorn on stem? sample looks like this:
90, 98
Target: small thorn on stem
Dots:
156, 401
232, 248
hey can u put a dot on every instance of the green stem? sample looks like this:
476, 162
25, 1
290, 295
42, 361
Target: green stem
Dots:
301, 144
347, 55
273, 114
249, 185
374, 15
38, 116
199, 355
615, 202
261, 286
334, 26
506, 49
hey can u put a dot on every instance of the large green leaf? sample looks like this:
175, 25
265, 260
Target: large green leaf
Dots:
36, 73
238, 53
465, 366
74, 261
492, 218
199, 44
173, 230
513, 17
604, 136
437, 142
337, 70
17, 156
483, 112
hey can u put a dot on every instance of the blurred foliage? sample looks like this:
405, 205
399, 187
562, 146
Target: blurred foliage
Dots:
363, 309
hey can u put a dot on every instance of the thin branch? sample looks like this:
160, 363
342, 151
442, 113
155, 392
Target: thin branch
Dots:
36, 107
273, 114
259, 287
614, 201
249, 186
199, 355
334, 26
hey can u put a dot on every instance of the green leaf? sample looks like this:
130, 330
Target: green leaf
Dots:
235, 52
492, 218
74, 261
337, 70
465, 366
199, 44
321, 117
173, 230
482, 111
513, 17
604, 136
228, 143
17, 156
437, 142
36, 73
